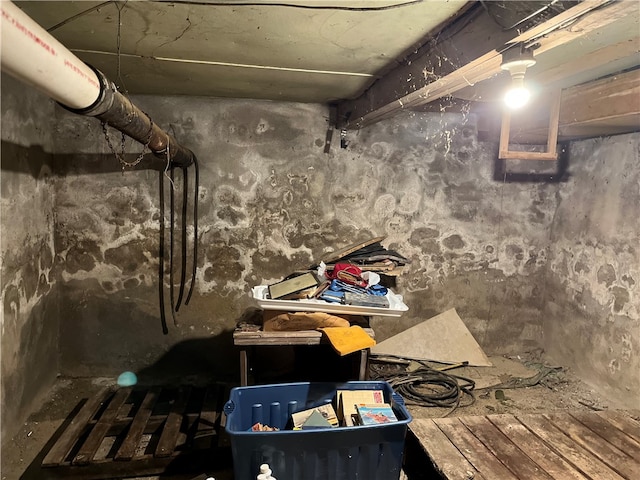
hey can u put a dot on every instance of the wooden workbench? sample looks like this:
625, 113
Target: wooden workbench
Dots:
244, 339
571, 446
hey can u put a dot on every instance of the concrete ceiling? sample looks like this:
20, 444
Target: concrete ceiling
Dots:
369, 58
234, 49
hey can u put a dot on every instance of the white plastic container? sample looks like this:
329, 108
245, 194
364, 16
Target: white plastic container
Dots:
265, 473
396, 305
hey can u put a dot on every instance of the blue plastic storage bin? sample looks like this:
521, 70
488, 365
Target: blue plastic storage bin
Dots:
372, 452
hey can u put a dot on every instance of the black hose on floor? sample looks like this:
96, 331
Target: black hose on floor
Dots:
423, 385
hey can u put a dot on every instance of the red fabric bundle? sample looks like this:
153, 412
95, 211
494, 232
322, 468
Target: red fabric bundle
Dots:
347, 273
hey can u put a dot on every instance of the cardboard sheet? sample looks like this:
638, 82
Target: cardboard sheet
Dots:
443, 338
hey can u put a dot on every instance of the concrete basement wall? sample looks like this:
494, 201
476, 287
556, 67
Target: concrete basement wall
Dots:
592, 313
271, 202
29, 315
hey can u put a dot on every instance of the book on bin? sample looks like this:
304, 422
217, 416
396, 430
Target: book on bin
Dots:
299, 419
348, 399
375, 414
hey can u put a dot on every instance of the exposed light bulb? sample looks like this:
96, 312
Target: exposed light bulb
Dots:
517, 97
516, 61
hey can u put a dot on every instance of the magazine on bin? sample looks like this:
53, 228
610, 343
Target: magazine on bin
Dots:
375, 414
348, 399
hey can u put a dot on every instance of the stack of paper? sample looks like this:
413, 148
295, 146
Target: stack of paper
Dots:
348, 399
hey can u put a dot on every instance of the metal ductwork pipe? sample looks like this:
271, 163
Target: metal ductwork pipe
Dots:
33, 56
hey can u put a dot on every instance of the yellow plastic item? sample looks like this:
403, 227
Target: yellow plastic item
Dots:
347, 340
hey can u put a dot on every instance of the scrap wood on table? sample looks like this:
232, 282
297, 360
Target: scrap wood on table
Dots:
369, 255
275, 321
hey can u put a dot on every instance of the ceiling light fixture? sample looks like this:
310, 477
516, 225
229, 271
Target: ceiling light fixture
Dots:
516, 60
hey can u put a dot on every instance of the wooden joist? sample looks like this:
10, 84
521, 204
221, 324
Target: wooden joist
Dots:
436, 73
561, 446
615, 98
608, 106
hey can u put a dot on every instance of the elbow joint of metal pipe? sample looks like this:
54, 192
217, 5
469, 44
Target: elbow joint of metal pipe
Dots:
103, 102
118, 111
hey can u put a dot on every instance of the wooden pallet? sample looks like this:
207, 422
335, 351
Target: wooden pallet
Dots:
138, 431
563, 446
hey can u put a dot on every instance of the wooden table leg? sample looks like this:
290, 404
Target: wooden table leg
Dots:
244, 368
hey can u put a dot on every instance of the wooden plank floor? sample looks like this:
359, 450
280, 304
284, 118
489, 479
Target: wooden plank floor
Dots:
141, 431
554, 446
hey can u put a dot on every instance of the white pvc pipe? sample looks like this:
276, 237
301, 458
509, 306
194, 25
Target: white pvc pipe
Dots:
32, 55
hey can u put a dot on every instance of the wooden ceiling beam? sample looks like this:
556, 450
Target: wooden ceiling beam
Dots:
612, 102
613, 97
608, 106
467, 56
610, 53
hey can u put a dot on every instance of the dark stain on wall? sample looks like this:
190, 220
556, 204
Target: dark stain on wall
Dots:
82, 256
621, 297
606, 274
515, 251
127, 257
453, 242
628, 279
226, 263
231, 215
423, 232
265, 263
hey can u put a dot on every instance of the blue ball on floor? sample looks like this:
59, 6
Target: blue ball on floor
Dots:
127, 379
